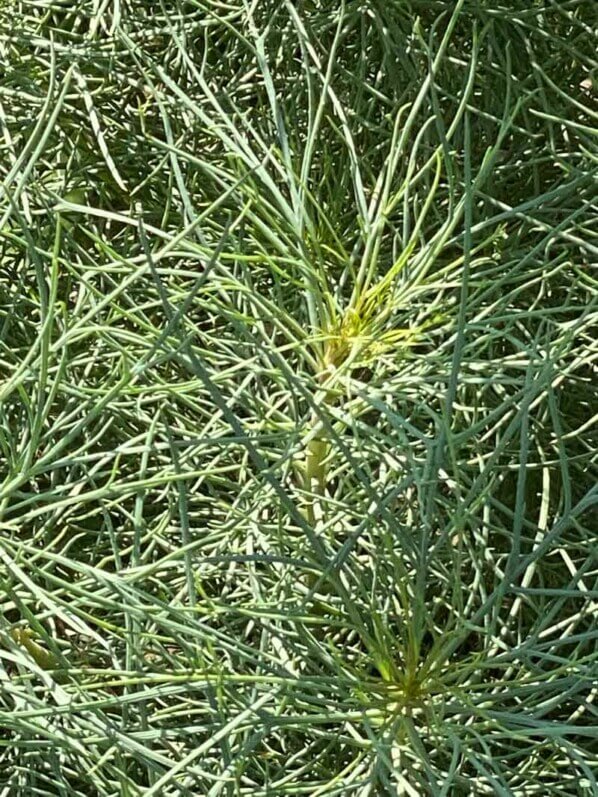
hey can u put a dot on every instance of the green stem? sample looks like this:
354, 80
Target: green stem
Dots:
316, 468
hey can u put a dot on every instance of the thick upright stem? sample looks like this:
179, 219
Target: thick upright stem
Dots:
316, 468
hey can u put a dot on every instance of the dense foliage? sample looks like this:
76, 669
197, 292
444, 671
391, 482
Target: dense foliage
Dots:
297, 458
